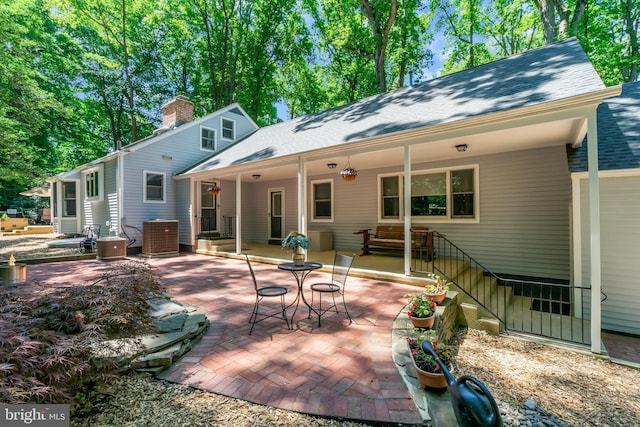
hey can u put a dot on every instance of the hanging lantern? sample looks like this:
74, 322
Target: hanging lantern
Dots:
213, 190
348, 174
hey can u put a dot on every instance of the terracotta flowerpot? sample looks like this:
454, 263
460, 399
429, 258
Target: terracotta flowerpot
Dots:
429, 379
423, 322
437, 298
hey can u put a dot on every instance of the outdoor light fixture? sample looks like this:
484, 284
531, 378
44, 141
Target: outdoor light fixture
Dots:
213, 190
332, 165
462, 147
256, 176
348, 174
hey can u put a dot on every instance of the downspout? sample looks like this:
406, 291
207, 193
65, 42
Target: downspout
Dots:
407, 210
594, 219
238, 214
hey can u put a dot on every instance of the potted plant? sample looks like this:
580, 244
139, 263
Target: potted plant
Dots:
427, 368
296, 243
422, 310
437, 288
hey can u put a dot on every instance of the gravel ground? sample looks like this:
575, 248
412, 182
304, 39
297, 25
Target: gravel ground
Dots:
580, 389
32, 246
576, 388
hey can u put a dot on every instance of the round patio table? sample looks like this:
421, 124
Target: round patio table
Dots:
300, 272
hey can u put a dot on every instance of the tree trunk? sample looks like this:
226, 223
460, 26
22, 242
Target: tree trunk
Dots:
630, 74
381, 39
557, 20
547, 16
127, 75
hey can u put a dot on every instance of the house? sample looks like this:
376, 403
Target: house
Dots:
499, 158
619, 166
479, 156
125, 188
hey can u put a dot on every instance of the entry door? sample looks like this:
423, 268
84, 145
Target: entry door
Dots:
208, 211
276, 214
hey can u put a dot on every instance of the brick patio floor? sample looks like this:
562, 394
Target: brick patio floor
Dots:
337, 370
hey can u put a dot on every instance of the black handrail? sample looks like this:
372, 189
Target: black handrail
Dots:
555, 300
468, 260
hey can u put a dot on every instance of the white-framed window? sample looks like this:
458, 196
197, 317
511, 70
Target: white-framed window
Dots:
207, 138
322, 199
94, 183
154, 187
69, 197
391, 191
228, 127
448, 194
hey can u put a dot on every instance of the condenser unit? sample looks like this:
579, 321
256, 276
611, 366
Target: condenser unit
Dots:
160, 237
111, 248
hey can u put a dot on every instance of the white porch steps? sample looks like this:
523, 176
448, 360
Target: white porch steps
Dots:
487, 291
208, 247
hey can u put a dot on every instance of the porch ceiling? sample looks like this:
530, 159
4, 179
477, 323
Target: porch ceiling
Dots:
561, 132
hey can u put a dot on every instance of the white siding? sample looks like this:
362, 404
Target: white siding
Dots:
170, 154
620, 249
524, 211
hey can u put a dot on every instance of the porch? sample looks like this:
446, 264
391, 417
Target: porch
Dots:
488, 303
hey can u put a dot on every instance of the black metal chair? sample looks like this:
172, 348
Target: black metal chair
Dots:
266, 292
341, 266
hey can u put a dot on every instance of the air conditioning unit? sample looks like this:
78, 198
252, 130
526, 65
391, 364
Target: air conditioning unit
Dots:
160, 237
111, 248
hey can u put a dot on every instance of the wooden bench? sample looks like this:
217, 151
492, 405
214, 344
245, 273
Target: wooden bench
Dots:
391, 237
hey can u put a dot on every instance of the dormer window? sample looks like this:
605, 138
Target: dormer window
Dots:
228, 129
207, 139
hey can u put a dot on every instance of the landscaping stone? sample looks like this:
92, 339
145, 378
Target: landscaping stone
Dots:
179, 327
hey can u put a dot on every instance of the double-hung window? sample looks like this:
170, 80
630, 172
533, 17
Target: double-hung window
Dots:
228, 129
391, 190
322, 200
154, 187
443, 194
207, 138
69, 199
93, 183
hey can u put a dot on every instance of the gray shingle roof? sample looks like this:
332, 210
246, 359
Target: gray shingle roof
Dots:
549, 73
618, 133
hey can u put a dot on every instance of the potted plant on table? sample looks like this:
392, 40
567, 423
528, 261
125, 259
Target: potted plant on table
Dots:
422, 310
427, 368
296, 243
437, 288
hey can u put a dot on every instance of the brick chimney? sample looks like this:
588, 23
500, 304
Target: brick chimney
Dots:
177, 111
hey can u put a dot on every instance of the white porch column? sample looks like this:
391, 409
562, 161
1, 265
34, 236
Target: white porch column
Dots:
238, 214
594, 220
576, 244
407, 210
302, 197
120, 193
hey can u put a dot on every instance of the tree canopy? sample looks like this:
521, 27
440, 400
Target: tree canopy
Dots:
81, 78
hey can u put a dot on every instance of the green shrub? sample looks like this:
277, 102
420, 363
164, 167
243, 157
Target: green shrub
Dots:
47, 343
